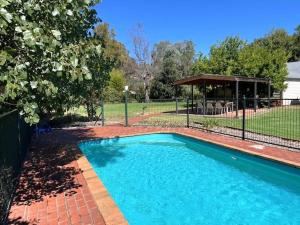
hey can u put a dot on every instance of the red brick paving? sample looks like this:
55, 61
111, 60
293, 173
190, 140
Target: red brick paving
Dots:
53, 190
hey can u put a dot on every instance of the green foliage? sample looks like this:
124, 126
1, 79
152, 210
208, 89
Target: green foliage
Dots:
209, 123
114, 91
235, 57
170, 63
296, 45
117, 80
276, 40
162, 85
201, 65
257, 61
112, 49
224, 57
45, 49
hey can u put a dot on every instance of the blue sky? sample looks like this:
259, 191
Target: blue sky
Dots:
203, 22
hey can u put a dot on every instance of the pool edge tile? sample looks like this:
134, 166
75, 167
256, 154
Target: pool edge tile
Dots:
111, 213
244, 150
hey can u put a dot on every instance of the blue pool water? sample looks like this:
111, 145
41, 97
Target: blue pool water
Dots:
162, 179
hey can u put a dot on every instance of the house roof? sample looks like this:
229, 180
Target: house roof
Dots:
293, 70
214, 78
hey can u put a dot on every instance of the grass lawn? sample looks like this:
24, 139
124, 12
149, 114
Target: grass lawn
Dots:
280, 122
116, 111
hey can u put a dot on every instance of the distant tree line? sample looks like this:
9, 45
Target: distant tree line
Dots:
265, 57
58, 54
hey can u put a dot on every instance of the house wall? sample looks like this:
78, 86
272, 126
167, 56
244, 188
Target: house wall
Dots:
292, 91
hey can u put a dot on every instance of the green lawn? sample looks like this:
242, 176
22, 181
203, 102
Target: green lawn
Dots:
116, 112
280, 122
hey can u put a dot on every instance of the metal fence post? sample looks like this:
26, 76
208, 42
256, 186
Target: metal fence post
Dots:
102, 112
244, 117
187, 113
126, 108
176, 106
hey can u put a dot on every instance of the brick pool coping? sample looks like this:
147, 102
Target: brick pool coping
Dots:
110, 213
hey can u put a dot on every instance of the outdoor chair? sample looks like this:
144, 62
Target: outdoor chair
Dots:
228, 107
210, 108
199, 108
219, 108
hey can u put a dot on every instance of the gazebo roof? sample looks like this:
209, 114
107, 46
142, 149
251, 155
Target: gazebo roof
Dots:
215, 79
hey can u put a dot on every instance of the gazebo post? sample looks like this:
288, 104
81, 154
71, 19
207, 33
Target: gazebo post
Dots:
224, 87
237, 98
255, 96
192, 98
269, 94
204, 97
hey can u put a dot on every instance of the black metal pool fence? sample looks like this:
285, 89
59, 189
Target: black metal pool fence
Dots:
272, 121
15, 136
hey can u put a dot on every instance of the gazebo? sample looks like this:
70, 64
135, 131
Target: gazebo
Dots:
239, 86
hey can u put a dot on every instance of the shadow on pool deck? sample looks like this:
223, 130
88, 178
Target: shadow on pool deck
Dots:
19, 221
50, 170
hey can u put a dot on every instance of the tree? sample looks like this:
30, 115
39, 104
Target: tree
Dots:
201, 65
296, 45
46, 50
223, 58
187, 53
114, 91
183, 54
277, 39
235, 57
170, 62
89, 92
112, 48
258, 61
163, 84
143, 58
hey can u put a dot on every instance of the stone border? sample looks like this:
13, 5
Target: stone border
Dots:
108, 208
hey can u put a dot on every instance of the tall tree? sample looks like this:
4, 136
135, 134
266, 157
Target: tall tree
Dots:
278, 39
223, 58
183, 53
187, 53
296, 45
170, 62
236, 57
45, 48
201, 65
259, 61
112, 48
143, 58
163, 83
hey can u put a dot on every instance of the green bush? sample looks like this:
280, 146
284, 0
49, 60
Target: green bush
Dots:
209, 123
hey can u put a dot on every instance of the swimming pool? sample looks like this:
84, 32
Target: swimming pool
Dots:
172, 179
